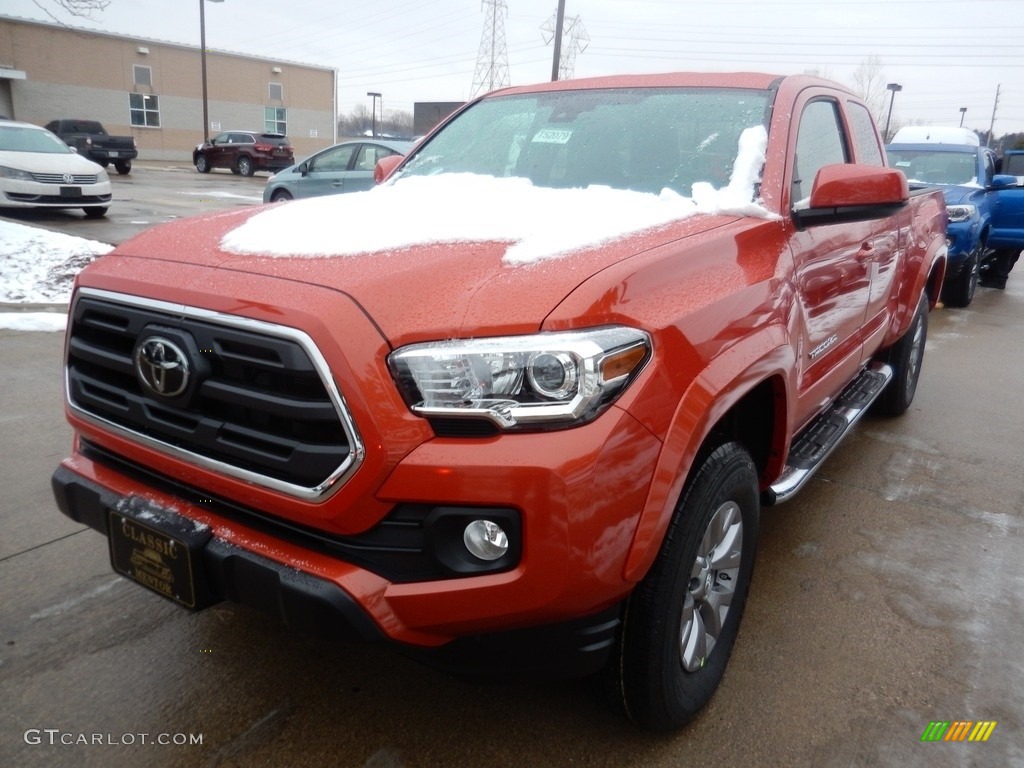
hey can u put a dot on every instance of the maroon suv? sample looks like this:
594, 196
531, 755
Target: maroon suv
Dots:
244, 152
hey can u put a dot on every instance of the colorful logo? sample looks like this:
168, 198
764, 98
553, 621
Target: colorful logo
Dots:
958, 730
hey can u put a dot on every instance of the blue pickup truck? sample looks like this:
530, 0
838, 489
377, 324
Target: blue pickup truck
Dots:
985, 209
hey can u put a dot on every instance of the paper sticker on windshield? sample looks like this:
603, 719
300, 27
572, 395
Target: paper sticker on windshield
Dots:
552, 136
902, 163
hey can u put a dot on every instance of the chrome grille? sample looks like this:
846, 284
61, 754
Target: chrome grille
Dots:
61, 178
265, 408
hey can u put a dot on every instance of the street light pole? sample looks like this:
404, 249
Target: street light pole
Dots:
894, 87
376, 96
202, 58
963, 111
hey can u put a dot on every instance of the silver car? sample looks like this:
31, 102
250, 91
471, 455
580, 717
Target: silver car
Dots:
345, 167
38, 170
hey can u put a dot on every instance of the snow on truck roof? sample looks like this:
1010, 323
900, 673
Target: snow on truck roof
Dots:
926, 134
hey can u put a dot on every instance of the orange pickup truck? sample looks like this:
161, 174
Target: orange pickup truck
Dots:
519, 406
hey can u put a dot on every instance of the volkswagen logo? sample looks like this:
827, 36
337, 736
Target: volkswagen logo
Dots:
68, 178
162, 366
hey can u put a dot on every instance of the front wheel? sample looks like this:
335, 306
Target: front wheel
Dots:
280, 196
95, 213
681, 621
960, 292
202, 164
124, 167
905, 357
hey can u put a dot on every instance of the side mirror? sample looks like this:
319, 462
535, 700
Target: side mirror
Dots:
850, 192
385, 166
1002, 180
303, 168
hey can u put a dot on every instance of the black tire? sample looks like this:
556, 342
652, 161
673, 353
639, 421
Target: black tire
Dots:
280, 196
95, 213
245, 166
202, 164
905, 357
960, 292
124, 167
668, 661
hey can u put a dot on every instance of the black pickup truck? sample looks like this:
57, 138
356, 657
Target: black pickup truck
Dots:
91, 139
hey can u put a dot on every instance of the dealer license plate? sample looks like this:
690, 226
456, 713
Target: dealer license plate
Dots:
70, 191
160, 553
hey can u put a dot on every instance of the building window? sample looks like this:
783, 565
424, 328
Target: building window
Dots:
276, 92
142, 75
144, 109
275, 120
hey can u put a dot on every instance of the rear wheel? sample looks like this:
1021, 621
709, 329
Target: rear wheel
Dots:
202, 164
124, 167
681, 621
960, 292
244, 166
95, 213
905, 357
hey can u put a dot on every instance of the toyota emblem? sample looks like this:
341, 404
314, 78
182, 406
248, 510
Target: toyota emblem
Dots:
68, 178
162, 366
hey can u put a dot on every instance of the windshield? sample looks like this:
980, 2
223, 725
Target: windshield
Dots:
642, 139
926, 166
16, 138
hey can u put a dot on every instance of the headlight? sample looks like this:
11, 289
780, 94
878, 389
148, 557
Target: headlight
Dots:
546, 381
14, 173
103, 175
960, 212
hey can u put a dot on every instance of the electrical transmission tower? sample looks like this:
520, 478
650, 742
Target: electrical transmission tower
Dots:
574, 40
492, 59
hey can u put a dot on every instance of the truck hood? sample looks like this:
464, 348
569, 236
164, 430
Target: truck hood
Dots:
440, 269
962, 194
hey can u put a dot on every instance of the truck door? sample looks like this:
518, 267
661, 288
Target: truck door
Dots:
832, 265
1008, 212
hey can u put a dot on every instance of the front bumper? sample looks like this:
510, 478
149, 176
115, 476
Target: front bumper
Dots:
314, 605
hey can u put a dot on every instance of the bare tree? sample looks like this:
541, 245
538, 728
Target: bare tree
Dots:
869, 84
398, 123
83, 8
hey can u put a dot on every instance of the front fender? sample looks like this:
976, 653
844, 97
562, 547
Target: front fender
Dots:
718, 388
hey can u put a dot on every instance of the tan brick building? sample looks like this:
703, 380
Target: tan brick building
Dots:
153, 90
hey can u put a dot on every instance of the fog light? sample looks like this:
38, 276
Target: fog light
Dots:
485, 540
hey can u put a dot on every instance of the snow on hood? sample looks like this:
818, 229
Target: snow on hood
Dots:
537, 222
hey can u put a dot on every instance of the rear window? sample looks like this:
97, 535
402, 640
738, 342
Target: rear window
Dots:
88, 126
277, 139
1014, 165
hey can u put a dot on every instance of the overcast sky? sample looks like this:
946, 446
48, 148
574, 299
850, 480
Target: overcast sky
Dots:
946, 54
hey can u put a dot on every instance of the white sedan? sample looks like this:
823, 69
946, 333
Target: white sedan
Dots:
38, 170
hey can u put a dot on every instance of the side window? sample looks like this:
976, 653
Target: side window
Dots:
333, 160
369, 155
864, 140
819, 142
